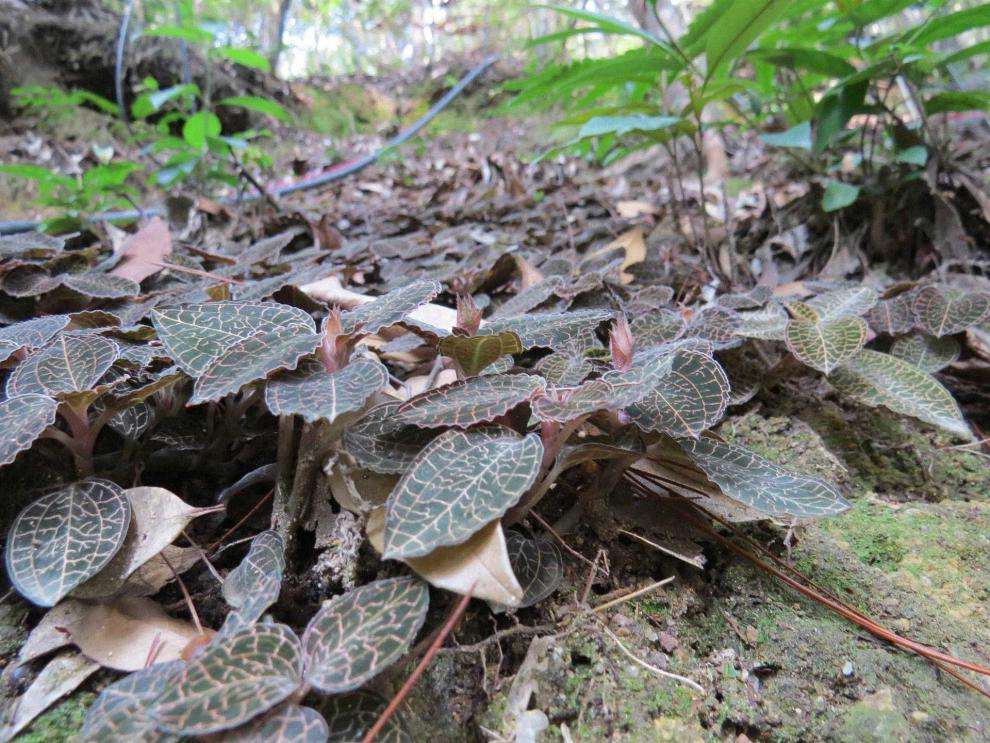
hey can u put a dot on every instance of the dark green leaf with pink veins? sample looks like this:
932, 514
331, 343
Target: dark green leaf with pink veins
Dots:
893, 316
928, 353
945, 310
469, 401
289, 723
389, 309
564, 368
196, 335
101, 285
66, 537
757, 483
124, 710
314, 393
380, 444
253, 358
23, 419
549, 329
359, 634
71, 363
235, 679
691, 398
351, 716
459, 483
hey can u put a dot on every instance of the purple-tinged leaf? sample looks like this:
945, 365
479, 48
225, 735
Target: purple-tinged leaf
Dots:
945, 310
549, 329
469, 401
72, 363
389, 309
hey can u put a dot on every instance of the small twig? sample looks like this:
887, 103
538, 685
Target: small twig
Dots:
633, 594
240, 523
185, 594
591, 577
448, 626
570, 550
203, 557
652, 669
195, 272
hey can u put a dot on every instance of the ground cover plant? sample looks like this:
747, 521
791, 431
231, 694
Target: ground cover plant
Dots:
259, 459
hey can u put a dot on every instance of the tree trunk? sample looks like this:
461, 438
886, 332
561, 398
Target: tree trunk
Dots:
278, 42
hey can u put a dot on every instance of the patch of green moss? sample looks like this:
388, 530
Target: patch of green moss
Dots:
60, 723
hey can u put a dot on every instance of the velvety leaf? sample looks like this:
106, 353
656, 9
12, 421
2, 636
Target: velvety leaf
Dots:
944, 310
29, 281
760, 484
72, 363
101, 285
479, 566
893, 316
356, 636
232, 681
660, 326
158, 517
715, 325
198, 334
469, 401
289, 723
926, 352
457, 484
549, 329
566, 368
769, 323
34, 333
250, 359
23, 419
351, 716
875, 378
851, 302
125, 633
66, 537
254, 584
529, 298
124, 709
477, 353
826, 344
688, 400
380, 444
314, 393
389, 309
566, 405
131, 422
537, 564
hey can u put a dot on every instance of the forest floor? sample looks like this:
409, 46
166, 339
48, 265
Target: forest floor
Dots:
911, 552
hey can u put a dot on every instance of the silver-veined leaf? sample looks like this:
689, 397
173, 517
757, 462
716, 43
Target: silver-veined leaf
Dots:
356, 636
564, 368
101, 285
469, 401
254, 584
875, 378
35, 332
760, 484
380, 444
250, 359
479, 352
198, 334
928, 353
691, 398
656, 327
825, 344
389, 309
549, 329
769, 323
23, 419
849, 302
945, 310
314, 393
893, 316
537, 564
235, 679
70, 364
123, 711
457, 484
65, 538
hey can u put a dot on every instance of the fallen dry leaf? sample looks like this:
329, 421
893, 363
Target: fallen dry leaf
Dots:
129, 633
63, 674
482, 562
48, 634
158, 516
634, 247
144, 251
151, 577
633, 209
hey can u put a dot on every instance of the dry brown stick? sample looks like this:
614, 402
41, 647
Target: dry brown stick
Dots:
239, 524
564, 544
448, 626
